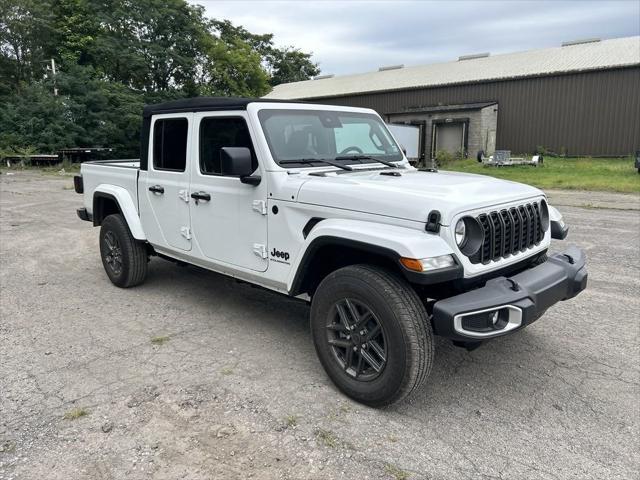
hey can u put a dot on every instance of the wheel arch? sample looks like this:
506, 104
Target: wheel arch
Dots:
336, 243
326, 254
111, 199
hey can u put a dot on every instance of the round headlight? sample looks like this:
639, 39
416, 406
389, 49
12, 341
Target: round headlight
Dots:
461, 232
469, 235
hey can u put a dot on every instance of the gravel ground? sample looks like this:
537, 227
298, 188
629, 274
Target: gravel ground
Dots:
194, 376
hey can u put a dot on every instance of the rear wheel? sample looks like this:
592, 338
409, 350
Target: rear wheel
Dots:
124, 258
372, 334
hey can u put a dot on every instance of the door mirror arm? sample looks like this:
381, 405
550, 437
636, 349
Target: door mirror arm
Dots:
251, 179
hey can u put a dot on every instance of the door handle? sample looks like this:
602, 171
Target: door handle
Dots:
204, 196
157, 189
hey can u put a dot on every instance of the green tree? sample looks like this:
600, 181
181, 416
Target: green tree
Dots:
34, 117
113, 56
233, 69
75, 27
283, 65
25, 26
147, 44
291, 65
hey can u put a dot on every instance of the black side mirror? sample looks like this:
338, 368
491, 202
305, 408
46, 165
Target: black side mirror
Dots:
236, 161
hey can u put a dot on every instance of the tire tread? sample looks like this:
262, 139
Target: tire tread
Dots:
412, 314
136, 251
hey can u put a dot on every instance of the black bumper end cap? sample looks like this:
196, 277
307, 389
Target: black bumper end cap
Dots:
84, 215
559, 231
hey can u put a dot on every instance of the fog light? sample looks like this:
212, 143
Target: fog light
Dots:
486, 321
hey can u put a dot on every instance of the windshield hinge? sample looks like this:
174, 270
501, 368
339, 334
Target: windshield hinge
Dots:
260, 250
260, 206
185, 232
433, 221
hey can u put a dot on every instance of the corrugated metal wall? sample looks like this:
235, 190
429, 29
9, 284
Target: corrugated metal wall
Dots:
591, 113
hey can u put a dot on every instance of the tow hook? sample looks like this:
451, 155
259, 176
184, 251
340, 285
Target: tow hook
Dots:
514, 285
569, 258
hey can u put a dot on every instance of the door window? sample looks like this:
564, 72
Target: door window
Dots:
219, 132
170, 144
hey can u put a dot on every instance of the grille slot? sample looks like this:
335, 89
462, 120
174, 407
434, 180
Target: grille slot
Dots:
509, 231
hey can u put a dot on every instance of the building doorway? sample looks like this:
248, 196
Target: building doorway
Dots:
449, 135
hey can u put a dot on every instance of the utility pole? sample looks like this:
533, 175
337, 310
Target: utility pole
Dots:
53, 73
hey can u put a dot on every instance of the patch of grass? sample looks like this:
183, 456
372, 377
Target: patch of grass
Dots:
226, 371
327, 437
69, 168
76, 413
160, 340
396, 472
598, 174
292, 420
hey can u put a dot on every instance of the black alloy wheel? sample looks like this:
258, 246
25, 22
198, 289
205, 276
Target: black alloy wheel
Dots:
357, 340
113, 257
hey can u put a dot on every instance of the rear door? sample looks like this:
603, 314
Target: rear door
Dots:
231, 226
164, 202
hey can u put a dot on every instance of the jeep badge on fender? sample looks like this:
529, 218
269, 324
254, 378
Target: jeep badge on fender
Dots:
278, 254
331, 187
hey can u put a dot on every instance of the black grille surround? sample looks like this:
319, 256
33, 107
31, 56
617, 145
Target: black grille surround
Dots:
509, 231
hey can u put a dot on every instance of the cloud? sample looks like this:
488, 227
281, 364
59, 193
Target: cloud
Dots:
358, 36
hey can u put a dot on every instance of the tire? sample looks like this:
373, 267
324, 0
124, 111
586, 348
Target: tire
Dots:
124, 258
406, 337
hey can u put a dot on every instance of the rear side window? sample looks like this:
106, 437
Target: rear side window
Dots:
170, 144
219, 132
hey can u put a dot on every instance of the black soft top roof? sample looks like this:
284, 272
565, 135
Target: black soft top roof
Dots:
199, 104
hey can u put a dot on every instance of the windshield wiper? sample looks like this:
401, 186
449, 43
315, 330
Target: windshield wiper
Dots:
367, 157
317, 160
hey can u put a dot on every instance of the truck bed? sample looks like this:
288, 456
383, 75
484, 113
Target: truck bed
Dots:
113, 173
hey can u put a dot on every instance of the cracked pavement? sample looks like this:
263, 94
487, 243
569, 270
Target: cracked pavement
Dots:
231, 388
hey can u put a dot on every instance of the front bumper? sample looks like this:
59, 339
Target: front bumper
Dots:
519, 300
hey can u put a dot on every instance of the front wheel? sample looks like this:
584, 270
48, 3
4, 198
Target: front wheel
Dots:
372, 334
124, 258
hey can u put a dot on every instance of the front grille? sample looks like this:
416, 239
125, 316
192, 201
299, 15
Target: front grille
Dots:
509, 231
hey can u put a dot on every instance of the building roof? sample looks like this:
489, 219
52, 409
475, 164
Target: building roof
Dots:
445, 108
570, 58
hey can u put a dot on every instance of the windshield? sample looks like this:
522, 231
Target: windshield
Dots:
315, 134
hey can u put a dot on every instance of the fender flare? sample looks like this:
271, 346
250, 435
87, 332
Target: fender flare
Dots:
389, 241
126, 205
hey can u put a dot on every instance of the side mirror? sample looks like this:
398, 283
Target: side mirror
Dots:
236, 161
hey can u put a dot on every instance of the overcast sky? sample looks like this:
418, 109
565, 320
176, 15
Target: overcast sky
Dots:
358, 36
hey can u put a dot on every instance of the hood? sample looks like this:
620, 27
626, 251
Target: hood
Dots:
412, 194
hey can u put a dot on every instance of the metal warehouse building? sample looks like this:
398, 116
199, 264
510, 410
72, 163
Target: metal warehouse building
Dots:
582, 98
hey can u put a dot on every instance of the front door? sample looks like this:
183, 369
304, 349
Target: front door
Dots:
164, 203
229, 218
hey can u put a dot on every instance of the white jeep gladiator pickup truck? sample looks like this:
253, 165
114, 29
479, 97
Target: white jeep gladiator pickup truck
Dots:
319, 202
